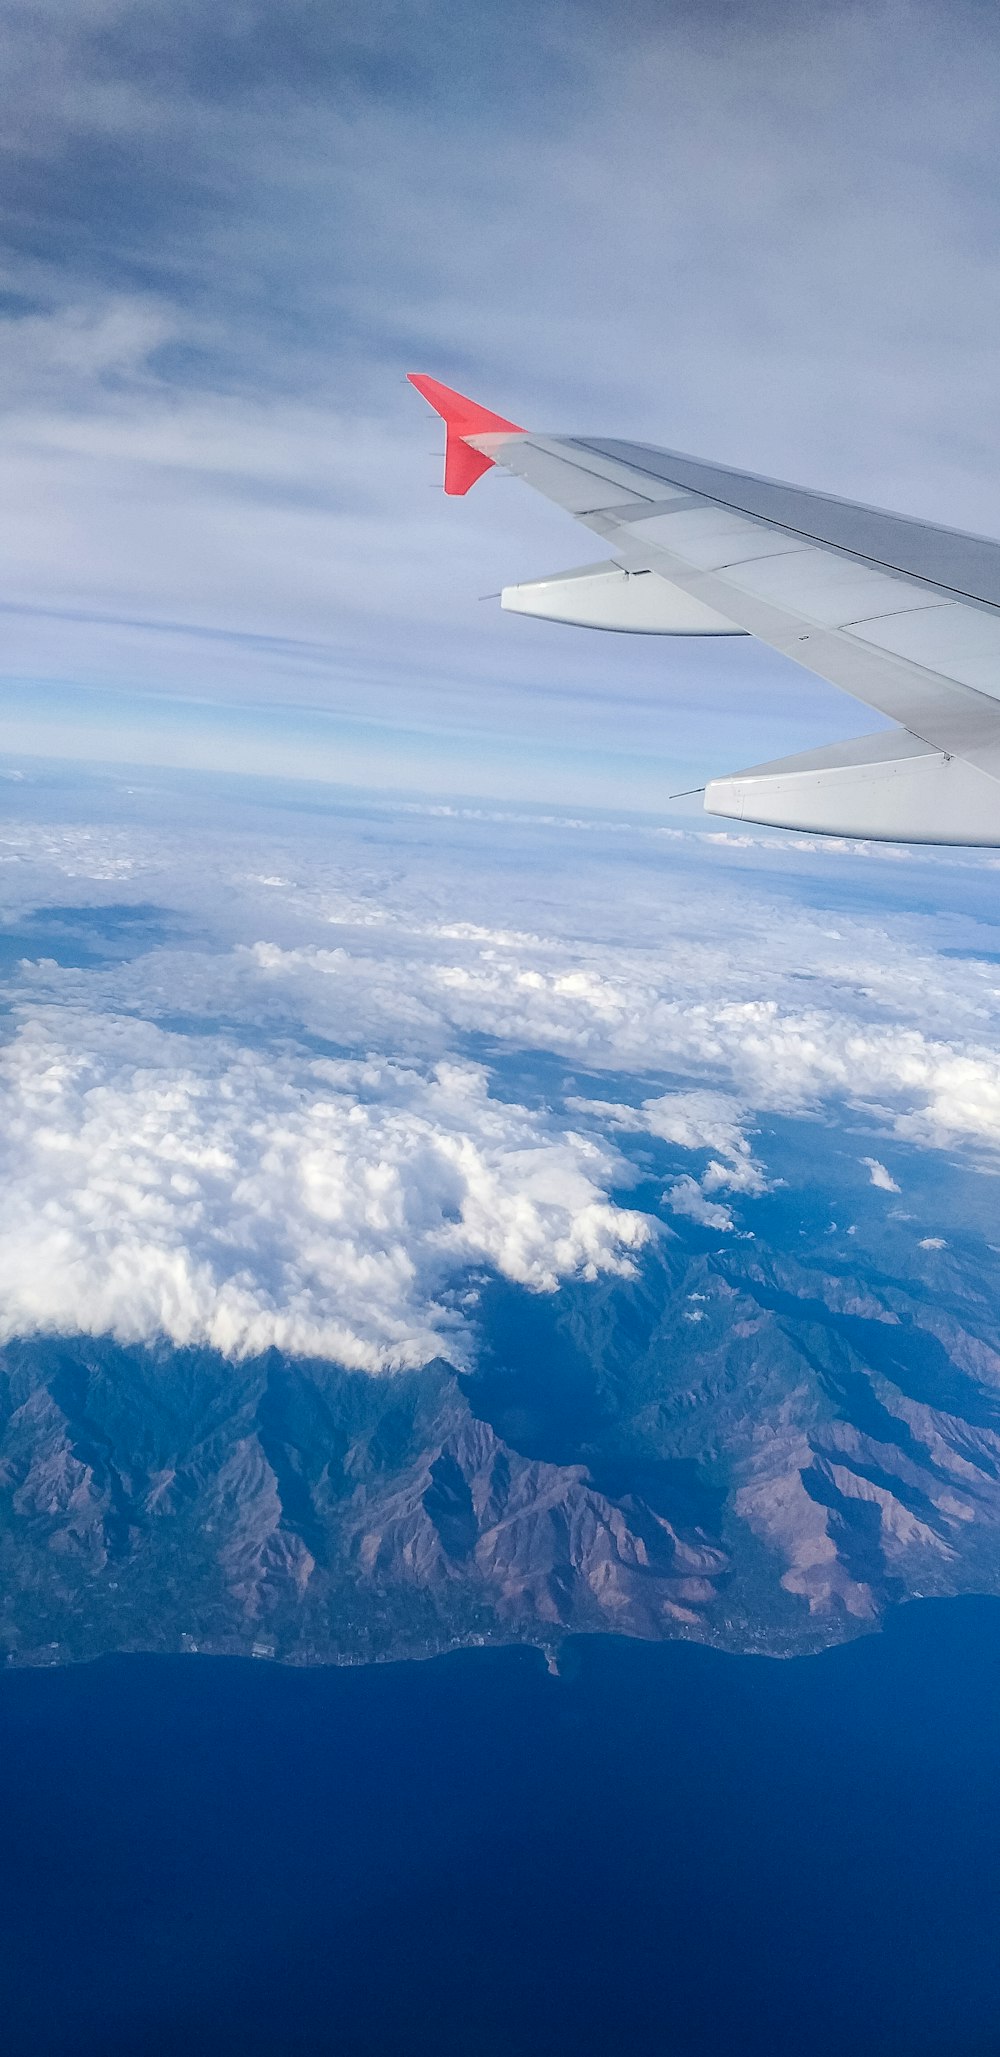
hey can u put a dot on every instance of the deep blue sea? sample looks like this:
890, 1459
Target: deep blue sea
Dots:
664, 1850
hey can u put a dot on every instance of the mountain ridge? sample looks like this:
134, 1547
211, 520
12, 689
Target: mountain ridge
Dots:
756, 1450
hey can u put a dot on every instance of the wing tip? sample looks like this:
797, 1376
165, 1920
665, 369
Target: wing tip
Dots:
462, 417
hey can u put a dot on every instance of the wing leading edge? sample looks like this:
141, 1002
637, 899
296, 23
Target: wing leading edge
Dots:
903, 615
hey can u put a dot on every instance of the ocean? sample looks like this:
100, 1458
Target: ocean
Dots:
662, 1850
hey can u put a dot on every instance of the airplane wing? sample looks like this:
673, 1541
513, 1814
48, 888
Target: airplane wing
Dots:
902, 615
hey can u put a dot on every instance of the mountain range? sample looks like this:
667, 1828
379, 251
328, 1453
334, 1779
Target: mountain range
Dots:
759, 1450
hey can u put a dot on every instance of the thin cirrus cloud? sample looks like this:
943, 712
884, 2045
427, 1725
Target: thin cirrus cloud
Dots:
230, 235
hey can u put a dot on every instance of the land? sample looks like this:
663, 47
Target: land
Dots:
759, 1450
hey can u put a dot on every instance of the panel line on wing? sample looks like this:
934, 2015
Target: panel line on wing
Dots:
944, 712
893, 613
850, 552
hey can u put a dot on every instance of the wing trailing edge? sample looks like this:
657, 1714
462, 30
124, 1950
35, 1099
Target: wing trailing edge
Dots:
606, 596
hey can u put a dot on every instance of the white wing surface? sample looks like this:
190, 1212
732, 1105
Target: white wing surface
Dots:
901, 614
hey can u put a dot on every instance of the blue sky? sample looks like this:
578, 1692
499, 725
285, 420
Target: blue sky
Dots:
764, 235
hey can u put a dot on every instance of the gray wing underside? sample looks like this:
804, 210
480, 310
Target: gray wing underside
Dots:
902, 615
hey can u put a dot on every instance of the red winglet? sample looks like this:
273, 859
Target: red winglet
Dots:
462, 417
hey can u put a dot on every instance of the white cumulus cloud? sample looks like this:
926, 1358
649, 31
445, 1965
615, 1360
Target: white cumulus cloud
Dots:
159, 1184
695, 1120
686, 1197
494, 934
879, 1176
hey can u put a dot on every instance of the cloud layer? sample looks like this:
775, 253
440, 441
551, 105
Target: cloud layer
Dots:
305, 1078
328, 1209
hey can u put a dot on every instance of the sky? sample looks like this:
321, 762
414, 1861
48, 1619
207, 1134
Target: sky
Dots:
766, 234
